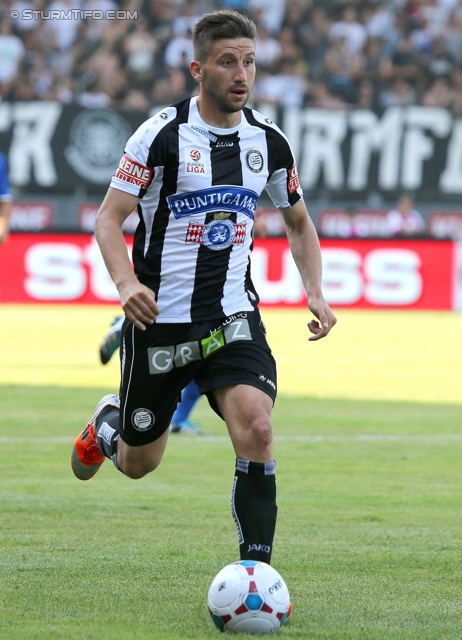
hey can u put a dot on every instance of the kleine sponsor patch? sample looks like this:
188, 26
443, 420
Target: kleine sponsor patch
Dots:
294, 182
133, 172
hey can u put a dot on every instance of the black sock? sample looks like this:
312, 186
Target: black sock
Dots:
254, 508
107, 432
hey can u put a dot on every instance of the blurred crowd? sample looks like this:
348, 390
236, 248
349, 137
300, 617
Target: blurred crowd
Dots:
356, 54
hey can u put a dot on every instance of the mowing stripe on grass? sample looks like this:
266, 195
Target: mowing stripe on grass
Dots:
376, 437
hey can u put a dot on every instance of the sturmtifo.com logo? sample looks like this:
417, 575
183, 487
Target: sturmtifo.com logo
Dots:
73, 14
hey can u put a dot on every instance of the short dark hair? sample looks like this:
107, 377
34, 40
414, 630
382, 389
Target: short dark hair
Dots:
220, 25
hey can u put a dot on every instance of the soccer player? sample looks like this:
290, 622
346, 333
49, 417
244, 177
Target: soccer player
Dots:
195, 171
5, 199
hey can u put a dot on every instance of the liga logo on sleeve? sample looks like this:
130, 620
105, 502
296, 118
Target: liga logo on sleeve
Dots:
135, 173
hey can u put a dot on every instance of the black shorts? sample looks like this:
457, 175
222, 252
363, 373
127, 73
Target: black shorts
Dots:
159, 362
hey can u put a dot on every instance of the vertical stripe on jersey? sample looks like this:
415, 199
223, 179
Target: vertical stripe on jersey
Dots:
154, 236
212, 265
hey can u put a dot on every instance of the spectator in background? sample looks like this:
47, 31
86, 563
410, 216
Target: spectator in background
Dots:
417, 41
404, 219
42, 77
372, 64
400, 93
422, 36
290, 47
439, 94
456, 84
351, 29
169, 87
316, 42
269, 50
64, 32
322, 98
106, 75
179, 51
140, 48
268, 12
5, 199
287, 87
440, 63
405, 61
340, 69
453, 36
11, 53
97, 27
185, 20
297, 18
94, 97
135, 100
177, 56
365, 96
378, 19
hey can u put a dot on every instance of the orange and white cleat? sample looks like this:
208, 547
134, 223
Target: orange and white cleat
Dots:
86, 456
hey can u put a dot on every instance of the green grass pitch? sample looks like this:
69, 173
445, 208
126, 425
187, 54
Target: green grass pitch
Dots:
368, 441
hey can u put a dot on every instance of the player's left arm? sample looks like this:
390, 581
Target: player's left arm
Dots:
304, 244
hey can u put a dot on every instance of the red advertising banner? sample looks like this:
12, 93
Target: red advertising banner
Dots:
412, 274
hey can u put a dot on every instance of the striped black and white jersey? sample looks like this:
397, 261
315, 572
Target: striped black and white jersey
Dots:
199, 188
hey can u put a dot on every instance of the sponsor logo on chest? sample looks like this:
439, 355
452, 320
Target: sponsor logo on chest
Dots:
220, 198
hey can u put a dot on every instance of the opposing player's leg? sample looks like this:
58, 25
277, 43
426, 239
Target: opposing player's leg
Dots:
180, 420
247, 411
111, 340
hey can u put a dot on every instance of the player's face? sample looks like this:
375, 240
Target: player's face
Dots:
229, 74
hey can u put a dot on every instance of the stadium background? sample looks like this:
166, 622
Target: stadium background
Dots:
385, 121
369, 93
367, 422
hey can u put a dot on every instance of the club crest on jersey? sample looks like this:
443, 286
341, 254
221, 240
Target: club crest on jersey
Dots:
218, 234
254, 160
220, 198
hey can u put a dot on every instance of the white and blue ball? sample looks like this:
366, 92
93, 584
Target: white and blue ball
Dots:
249, 597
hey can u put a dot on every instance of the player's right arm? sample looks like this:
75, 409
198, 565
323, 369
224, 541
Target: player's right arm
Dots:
138, 301
5, 213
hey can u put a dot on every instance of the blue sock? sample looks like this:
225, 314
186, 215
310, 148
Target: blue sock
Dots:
189, 397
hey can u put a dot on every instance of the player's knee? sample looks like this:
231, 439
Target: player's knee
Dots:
262, 432
137, 470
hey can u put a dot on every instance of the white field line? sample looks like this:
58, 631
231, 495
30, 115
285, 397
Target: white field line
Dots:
377, 437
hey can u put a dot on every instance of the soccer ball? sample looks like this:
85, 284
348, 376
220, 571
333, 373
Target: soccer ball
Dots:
248, 597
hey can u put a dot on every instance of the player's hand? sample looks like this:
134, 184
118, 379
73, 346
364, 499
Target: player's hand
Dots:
139, 304
324, 322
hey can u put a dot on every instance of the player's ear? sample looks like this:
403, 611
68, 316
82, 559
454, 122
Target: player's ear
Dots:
195, 68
